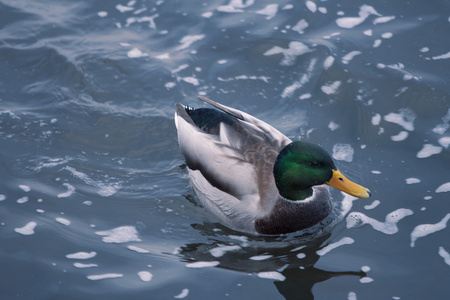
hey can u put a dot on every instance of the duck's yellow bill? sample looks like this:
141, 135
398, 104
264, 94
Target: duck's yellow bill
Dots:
340, 182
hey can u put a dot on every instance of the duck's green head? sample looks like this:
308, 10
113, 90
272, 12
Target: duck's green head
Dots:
301, 165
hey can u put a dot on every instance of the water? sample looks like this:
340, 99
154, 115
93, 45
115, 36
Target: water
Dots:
94, 196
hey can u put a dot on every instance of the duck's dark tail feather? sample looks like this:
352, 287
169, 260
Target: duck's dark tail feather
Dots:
221, 107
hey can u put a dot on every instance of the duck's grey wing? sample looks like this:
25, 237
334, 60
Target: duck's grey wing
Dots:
223, 166
271, 133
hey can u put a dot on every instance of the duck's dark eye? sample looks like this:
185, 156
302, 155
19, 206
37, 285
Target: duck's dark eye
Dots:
315, 164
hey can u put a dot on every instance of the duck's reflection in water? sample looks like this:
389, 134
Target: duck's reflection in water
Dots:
288, 258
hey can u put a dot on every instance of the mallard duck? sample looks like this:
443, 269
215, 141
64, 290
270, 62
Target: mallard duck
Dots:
251, 176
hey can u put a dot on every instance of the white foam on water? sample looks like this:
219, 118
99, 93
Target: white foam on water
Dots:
349, 56
328, 62
84, 266
387, 35
270, 11
401, 136
368, 32
145, 276
406, 77
123, 8
389, 226
442, 128
366, 280
2, 197
305, 96
300, 26
346, 204
426, 229
290, 54
445, 255
221, 250
301, 255
63, 221
331, 88
136, 53
245, 77
381, 20
364, 12
82, 255
444, 141
109, 190
22, 200
405, 118
188, 40
122, 234
352, 296
443, 188
180, 68
202, 264
170, 85
229, 9
375, 172
28, 229
343, 152
376, 119
68, 193
289, 90
333, 126
331, 35
102, 14
374, 204
443, 56
330, 247
311, 6
377, 44
207, 14
138, 249
105, 276
149, 19
191, 80
365, 269
136, 12
261, 257
242, 3
412, 180
428, 150
272, 275
322, 9
184, 293
163, 56
24, 188
105, 190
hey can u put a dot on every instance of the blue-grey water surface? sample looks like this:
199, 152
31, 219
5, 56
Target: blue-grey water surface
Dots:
95, 200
